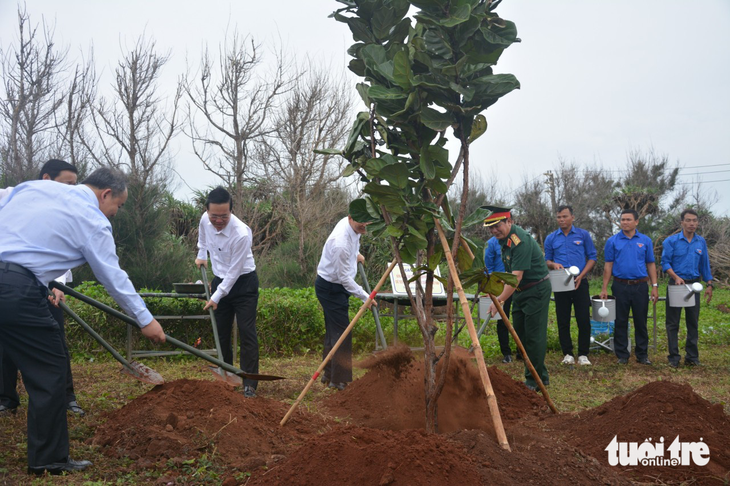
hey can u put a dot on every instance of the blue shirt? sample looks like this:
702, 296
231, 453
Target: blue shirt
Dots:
688, 259
493, 256
574, 249
629, 255
49, 227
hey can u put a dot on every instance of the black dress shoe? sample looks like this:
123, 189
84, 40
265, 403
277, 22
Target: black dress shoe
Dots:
507, 358
7, 411
644, 361
337, 386
519, 357
74, 408
59, 467
325, 380
691, 362
623, 361
674, 364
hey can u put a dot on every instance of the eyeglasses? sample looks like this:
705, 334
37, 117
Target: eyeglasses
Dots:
215, 217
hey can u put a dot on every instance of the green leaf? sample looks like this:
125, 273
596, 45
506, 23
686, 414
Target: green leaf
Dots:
408, 255
495, 85
435, 120
394, 231
402, 70
380, 93
457, 15
435, 259
362, 90
478, 128
348, 171
463, 259
500, 35
396, 175
328, 151
374, 166
383, 20
478, 216
438, 186
360, 121
506, 277
360, 211
425, 162
437, 43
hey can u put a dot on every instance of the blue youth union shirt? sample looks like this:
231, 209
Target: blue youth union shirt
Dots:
493, 256
688, 259
575, 248
629, 255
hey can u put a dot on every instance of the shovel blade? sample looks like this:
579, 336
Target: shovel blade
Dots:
226, 376
143, 373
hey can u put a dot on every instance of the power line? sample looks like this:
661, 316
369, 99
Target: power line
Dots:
708, 172
702, 182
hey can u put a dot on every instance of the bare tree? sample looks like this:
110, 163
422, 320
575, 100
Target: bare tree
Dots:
533, 211
32, 80
134, 127
314, 115
230, 105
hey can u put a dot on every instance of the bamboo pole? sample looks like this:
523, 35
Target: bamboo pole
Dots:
526, 358
491, 397
365, 306
512, 331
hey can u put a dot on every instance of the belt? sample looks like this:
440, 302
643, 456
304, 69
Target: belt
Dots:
529, 285
631, 282
686, 280
12, 267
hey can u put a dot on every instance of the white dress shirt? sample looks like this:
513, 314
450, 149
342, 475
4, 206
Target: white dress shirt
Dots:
49, 227
339, 259
63, 279
230, 252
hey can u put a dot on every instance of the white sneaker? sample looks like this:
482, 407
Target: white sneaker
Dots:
583, 361
569, 360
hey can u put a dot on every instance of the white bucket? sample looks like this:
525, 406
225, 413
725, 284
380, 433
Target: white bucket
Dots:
680, 296
562, 280
609, 303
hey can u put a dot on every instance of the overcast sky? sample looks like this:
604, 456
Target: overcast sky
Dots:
599, 79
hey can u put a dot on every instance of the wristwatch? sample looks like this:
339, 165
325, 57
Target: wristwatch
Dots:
709, 284
655, 285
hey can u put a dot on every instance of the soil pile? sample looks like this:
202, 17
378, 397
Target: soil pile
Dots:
391, 395
659, 409
359, 455
184, 419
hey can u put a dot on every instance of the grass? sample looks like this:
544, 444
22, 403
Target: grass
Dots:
101, 388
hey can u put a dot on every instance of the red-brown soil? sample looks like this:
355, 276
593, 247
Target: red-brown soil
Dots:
381, 439
658, 409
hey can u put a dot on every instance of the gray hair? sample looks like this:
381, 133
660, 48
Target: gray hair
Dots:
106, 178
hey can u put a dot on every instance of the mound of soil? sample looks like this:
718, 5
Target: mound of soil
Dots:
359, 455
185, 418
658, 409
391, 395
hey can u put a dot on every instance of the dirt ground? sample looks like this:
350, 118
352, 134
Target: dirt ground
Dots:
373, 432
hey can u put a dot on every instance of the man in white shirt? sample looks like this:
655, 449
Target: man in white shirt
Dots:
65, 173
45, 229
334, 285
235, 286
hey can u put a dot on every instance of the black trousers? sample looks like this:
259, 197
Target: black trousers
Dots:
632, 299
241, 302
503, 333
580, 300
33, 341
335, 301
9, 372
692, 318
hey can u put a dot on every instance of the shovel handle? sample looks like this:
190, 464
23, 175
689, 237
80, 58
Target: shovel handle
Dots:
129, 320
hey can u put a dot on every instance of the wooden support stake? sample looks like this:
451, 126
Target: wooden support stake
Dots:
526, 358
491, 397
365, 306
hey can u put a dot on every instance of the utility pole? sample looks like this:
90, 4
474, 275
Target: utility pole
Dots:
550, 181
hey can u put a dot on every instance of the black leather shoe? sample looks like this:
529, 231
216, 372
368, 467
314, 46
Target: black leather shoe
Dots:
519, 357
325, 380
59, 467
674, 364
691, 362
7, 411
623, 361
337, 386
644, 361
74, 408
507, 358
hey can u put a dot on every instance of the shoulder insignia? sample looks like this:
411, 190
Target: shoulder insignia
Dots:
514, 238
509, 243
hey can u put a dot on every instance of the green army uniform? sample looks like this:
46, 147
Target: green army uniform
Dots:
530, 306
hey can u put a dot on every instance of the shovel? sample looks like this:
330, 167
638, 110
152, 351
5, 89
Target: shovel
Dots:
170, 339
220, 373
133, 369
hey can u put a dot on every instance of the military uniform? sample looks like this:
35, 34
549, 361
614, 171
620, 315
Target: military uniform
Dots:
531, 301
